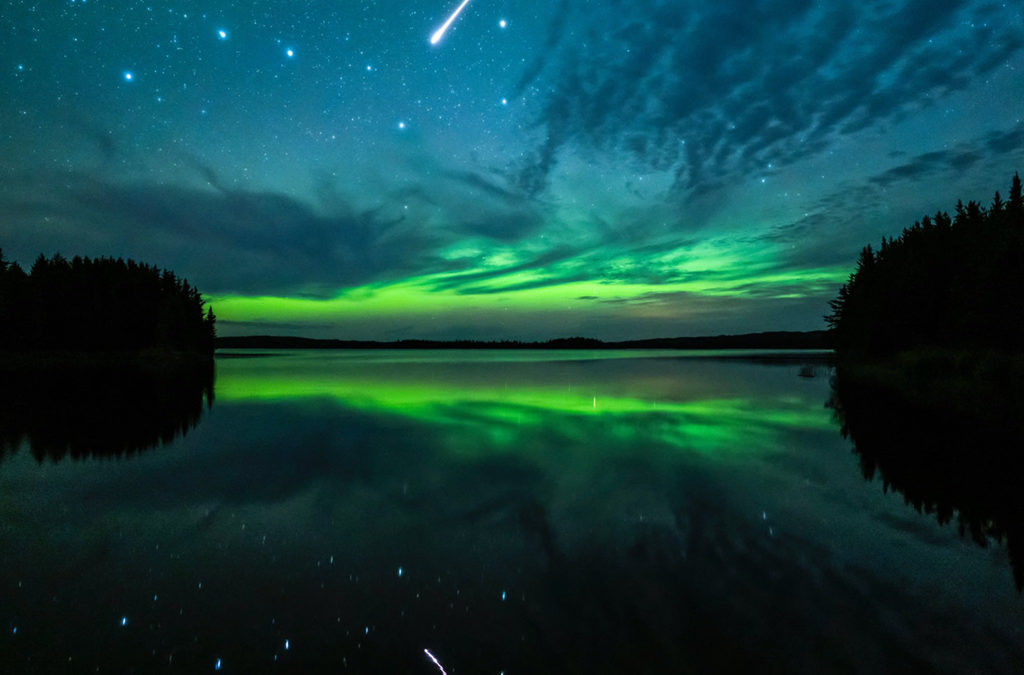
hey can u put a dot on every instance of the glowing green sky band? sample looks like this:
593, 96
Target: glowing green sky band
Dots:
532, 291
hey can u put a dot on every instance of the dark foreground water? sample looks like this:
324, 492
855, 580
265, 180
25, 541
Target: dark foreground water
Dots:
509, 512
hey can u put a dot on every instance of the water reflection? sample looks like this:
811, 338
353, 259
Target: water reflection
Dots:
86, 411
632, 399
340, 512
943, 462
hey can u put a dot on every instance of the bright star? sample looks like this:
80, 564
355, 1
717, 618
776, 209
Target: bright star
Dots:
503, 23
128, 75
401, 125
290, 53
504, 101
222, 34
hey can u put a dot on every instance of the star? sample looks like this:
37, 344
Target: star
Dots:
365, 66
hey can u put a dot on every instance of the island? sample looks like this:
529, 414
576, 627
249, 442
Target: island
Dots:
94, 306
100, 357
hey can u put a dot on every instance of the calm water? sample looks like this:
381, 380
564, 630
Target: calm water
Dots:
510, 512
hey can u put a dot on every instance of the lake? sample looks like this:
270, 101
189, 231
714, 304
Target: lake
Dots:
479, 512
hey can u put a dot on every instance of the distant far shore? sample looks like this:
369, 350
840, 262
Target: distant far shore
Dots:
818, 339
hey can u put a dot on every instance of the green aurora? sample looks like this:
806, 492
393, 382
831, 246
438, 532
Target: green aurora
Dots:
686, 277
546, 170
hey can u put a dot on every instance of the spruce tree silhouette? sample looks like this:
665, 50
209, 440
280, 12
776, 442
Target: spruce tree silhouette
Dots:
956, 283
929, 331
101, 304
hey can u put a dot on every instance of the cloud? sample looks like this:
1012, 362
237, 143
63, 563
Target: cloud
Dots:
474, 281
224, 240
230, 240
250, 241
554, 37
714, 91
858, 212
992, 146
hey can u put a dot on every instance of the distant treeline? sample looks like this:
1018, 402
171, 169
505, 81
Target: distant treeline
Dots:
947, 282
100, 304
770, 340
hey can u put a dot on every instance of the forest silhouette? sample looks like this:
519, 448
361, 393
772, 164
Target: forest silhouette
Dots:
950, 282
928, 334
100, 304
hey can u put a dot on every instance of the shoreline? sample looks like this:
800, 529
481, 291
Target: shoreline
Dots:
777, 340
983, 384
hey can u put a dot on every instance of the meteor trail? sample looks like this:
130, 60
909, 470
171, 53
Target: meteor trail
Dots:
436, 37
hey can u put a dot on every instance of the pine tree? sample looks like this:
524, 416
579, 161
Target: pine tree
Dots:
997, 205
100, 304
1015, 207
942, 282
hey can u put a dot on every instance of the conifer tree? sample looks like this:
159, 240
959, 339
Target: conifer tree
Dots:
101, 304
1015, 207
947, 282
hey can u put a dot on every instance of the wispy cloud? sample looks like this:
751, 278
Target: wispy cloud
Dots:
712, 91
226, 240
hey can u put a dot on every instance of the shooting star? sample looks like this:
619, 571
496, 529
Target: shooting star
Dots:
436, 37
427, 651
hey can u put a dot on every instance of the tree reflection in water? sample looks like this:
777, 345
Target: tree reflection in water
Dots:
944, 462
93, 411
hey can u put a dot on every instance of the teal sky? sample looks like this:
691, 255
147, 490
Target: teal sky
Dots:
605, 168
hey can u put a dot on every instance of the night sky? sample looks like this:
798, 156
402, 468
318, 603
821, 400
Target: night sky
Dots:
604, 168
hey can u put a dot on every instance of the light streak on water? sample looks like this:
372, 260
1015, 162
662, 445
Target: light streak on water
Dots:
436, 662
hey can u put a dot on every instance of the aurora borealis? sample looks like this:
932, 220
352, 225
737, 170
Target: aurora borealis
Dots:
611, 169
